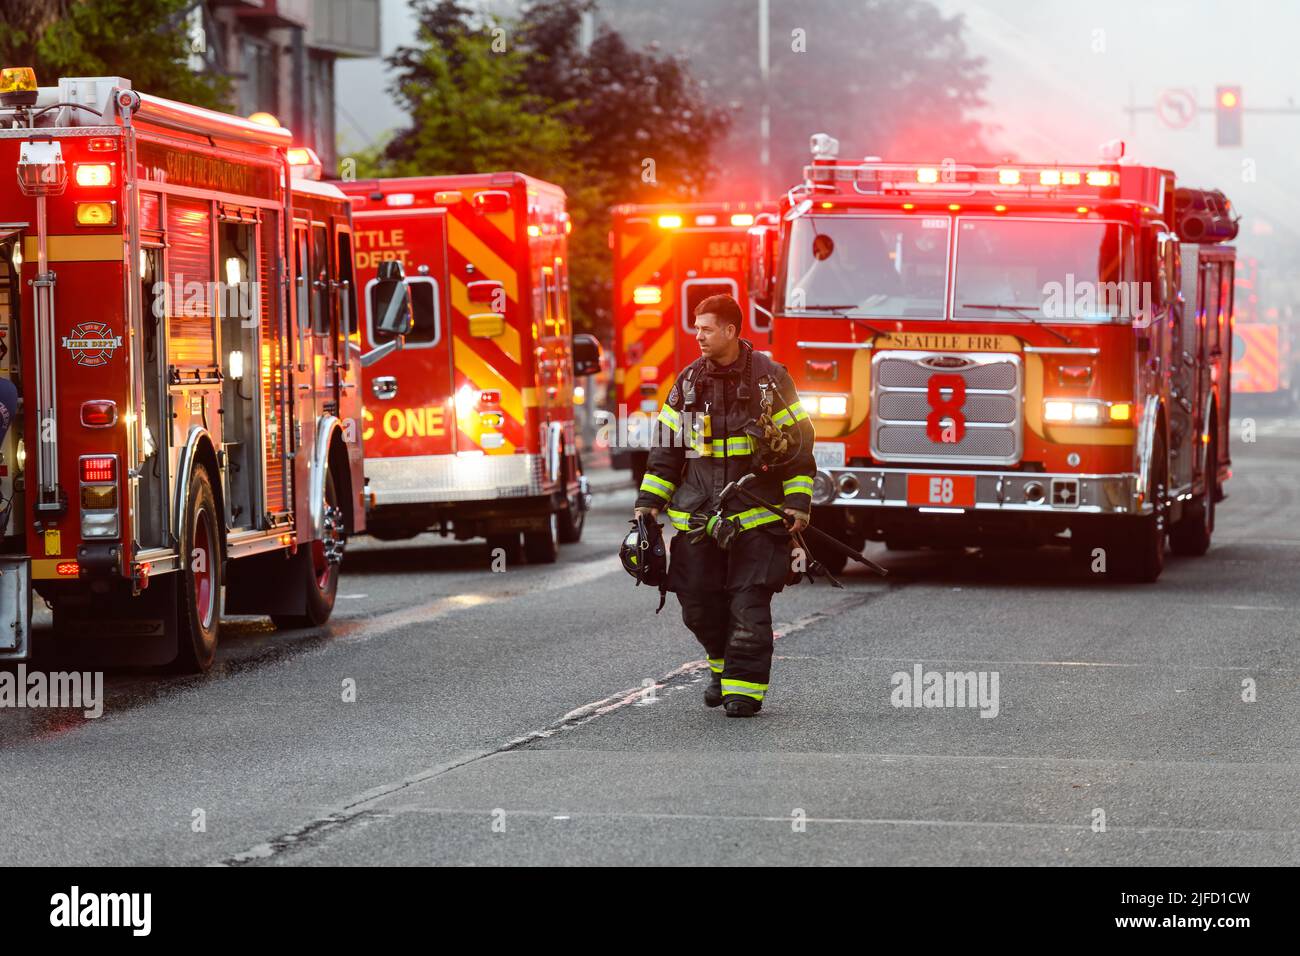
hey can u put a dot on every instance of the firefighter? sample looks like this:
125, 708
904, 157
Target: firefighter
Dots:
726, 564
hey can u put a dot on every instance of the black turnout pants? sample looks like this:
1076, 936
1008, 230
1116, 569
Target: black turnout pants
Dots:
726, 599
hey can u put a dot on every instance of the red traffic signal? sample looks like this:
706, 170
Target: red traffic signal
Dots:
1227, 115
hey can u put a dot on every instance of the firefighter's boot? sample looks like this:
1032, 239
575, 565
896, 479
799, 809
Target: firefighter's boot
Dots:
738, 706
713, 690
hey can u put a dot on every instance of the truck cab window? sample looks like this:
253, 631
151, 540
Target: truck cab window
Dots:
322, 274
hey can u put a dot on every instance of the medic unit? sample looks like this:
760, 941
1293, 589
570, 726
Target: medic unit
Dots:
1015, 353
1265, 348
469, 427
667, 260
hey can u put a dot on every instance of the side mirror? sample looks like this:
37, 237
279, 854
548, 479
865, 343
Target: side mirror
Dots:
390, 310
586, 354
392, 301
762, 264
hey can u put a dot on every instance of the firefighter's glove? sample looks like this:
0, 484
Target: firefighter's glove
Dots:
799, 516
646, 512
722, 530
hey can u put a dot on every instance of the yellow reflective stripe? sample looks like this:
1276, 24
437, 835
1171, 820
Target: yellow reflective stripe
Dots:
744, 688
657, 486
716, 664
798, 485
794, 413
755, 517
680, 519
670, 418
733, 447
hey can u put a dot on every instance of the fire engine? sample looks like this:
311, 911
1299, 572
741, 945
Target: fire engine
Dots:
175, 310
668, 259
470, 427
1265, 356
1015, 353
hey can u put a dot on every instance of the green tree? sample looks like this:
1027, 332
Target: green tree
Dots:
469, 110
610, 125
146, 41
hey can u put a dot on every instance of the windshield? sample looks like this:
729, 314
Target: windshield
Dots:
871, 267
1073, 271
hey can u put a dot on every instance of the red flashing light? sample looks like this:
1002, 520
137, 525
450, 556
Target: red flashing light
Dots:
102, 144
489, 397
484, 290
67, 569
99, 468
99, 414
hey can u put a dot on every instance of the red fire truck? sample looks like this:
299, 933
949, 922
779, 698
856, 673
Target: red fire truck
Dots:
668, 259
469, 428
176, 319
1008, 352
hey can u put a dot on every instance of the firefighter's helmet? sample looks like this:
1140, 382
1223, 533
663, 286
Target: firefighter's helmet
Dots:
643, 553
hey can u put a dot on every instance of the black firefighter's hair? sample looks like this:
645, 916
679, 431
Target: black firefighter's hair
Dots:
725, 308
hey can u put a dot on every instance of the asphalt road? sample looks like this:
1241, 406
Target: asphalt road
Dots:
545, 715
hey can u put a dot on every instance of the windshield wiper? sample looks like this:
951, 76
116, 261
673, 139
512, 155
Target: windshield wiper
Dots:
837, 308
1020, 311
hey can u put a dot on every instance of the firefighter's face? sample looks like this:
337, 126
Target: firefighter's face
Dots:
713, 335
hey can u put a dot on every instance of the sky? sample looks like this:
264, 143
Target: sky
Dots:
1061, 74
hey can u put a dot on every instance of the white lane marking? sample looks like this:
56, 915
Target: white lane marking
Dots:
973, 661
567, 576
859, 821
352, 597
1249, 607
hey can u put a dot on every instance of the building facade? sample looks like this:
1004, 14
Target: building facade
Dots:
280, 56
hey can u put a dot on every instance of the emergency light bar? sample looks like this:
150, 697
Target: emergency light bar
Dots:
304, 163
964, 180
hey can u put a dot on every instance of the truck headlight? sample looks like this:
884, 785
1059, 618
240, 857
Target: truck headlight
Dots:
1060, 411
826, 406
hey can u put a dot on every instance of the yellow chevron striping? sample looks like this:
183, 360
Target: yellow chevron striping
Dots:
474, 367
508, 340
646, 268
505, 221
486, 262
656, 355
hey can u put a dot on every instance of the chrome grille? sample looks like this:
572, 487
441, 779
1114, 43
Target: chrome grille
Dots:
991, 409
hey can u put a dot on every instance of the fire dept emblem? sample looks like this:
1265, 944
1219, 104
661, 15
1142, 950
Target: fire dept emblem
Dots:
92, 344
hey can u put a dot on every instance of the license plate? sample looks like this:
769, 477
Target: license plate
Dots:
829, 454
941, 491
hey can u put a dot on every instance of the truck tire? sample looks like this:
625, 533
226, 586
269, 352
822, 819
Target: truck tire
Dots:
572, 517
508, 545
1137, 544
198, 600
315, 568
831, 521
541, 547
1190, 537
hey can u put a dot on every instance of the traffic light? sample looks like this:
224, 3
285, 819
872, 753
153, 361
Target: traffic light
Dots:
1227, 115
